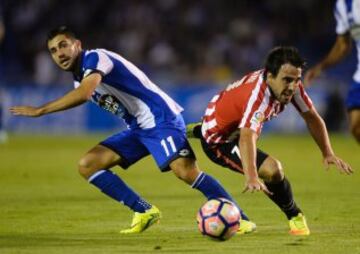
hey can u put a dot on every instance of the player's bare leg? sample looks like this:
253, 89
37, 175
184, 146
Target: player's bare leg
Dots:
94, 166
97, 158
272, 173
354, 116
187, 170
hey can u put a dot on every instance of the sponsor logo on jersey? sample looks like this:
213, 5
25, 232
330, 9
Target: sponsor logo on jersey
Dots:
111, 104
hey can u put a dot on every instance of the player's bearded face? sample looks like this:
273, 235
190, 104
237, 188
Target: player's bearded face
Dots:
285, 82
64, 51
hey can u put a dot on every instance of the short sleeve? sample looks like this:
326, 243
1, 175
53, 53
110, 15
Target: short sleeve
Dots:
301, 100
97, 61
340, 13
253, 114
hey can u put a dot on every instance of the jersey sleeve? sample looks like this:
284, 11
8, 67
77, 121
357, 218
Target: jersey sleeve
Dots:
301, 100
340, 13
254, 122
97, 61
253, 115
76, 84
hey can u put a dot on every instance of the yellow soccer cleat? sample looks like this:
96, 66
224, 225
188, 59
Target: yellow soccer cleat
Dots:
141, 221
298, 225
246, 227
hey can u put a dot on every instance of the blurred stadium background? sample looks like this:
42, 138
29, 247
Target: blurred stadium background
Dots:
191, 49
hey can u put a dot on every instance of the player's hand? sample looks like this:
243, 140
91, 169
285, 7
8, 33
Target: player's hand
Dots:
311, 74
255, 184
341, 165
25, 111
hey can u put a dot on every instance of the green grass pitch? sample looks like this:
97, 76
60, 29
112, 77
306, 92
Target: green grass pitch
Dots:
46, 207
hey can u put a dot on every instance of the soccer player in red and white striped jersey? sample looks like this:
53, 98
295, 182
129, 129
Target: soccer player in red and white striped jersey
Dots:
234, 118
248, 103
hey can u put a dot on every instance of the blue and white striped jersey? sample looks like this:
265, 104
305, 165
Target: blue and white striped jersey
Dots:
347, 14
126, 91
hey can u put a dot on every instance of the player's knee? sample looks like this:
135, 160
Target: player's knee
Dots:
185, 169
85, 168
271, 170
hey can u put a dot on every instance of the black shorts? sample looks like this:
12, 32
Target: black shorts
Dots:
228, 155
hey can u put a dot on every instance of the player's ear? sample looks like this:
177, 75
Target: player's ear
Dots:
78, 44
269, 75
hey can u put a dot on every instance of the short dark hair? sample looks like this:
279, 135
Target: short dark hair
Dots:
282, 55
60, 30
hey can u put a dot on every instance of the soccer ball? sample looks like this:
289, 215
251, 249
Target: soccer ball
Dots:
219, 219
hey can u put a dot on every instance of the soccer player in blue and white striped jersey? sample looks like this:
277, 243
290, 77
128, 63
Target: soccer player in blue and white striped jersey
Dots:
155, 125
347, 15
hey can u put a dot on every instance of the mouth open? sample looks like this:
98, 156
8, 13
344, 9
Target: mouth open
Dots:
65, 62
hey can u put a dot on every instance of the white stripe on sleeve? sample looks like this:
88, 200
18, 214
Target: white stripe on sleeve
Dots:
253, 98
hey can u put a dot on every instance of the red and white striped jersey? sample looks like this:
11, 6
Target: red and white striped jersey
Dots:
246, 103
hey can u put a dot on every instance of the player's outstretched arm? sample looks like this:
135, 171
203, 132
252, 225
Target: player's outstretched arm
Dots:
320, 134
339, 50
247, 145
72, 99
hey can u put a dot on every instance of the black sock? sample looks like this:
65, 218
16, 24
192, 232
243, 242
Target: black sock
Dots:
283, 197
197, 131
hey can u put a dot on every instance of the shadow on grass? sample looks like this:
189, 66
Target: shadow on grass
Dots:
298, 242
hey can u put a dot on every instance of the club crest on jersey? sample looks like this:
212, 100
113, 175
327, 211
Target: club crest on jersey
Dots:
258, 117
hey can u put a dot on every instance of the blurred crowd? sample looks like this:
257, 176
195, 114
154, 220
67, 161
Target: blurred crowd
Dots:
174, 41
